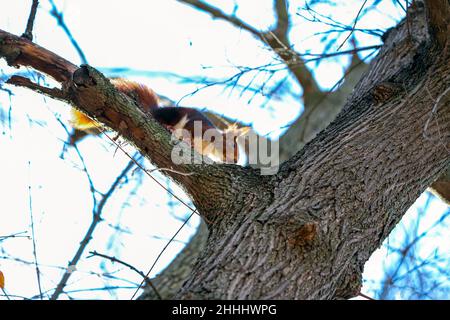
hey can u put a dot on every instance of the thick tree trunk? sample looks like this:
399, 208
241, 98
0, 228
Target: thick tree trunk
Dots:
320, 109
317, 116
335, 202
306, 232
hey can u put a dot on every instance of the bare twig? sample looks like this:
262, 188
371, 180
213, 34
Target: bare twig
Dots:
29, 29
59, 268
338, 53
15, 235
33, 236
114, 259
354, 25
96, 219
83, 163
101, 289
337, 27
145, 170
365, 296
283, 21
5, 294
27, 83
401, 5
272, 39
216, 13
161, 252
60, 19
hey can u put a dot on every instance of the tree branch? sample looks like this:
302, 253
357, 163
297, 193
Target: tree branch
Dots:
283, 22
60, 19
20, 81
21, 52
211, 186
97, 217
148, 282
219, 14
277, 39
28, 34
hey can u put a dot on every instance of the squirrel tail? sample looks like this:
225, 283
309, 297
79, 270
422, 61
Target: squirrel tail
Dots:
143, 95
81, 121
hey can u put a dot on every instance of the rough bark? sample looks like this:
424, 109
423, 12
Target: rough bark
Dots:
320, 108
336, 201
306, 232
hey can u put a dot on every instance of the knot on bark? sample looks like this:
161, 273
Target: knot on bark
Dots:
85, 76
9, 52
302, 236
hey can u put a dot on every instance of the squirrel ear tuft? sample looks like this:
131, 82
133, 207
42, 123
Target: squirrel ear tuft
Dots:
243, 131
238, 132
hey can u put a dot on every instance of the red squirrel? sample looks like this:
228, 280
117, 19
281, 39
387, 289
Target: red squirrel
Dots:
173, 119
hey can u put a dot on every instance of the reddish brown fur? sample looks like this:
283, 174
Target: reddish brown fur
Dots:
146, 97
169, 117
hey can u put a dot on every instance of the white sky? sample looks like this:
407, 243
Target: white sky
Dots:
156, 36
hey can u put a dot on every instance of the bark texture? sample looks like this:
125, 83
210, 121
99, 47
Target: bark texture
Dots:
306, 232
320, 107
337, 200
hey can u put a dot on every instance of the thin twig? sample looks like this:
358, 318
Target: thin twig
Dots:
33, 236
173, 171
144, 170
114, 259
354, 25
365, 296
28, 34
338, 53
162, 251
401, 5
96, 219
302, 74
15, 235
217, 13
101, 289
85, 170
5, 294
84, 272
60, 19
